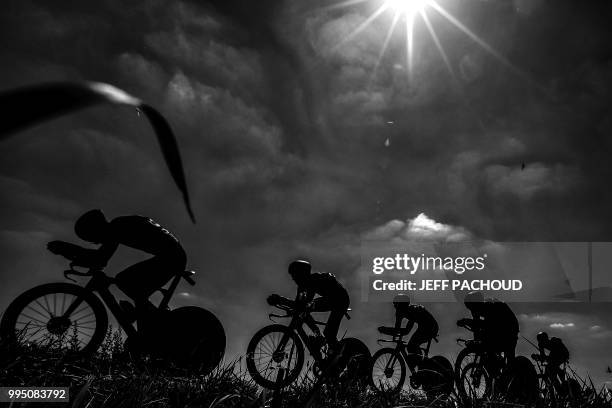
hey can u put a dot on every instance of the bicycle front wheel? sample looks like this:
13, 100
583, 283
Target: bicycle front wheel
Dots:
388, 370
474, 383
39, 318
275, 356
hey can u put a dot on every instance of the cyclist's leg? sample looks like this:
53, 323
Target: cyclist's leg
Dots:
338, 308
140, 280
413, 348
510, 347
134, 282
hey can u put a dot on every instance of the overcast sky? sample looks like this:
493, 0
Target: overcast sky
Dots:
295, 145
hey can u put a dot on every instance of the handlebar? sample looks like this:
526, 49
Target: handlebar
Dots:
290, 312
72, 271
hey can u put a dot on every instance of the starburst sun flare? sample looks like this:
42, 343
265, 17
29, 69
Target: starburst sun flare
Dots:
408, 11
408, 7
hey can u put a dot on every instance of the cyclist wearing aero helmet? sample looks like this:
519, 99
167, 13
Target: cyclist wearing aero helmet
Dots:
138, 281
494, 321
558, 355
333, 297
427, 326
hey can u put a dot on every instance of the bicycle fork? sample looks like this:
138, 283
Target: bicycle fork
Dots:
279, 354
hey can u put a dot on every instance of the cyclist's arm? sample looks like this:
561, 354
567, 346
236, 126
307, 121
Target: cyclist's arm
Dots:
398, 321
542, 350
307, 294
409, 326
97, 257
303, 297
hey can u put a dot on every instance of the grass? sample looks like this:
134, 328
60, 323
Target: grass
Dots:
112, 379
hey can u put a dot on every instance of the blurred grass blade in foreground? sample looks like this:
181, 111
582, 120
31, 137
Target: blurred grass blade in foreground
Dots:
28, 106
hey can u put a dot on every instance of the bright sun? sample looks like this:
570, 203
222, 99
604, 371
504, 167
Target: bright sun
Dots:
409, 7
410, 11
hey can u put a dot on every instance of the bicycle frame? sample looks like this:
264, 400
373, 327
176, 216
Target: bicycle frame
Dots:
400, 349
554, 381
101, 283
298, 320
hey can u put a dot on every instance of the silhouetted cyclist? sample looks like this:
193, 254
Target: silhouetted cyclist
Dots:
333, 297
558, 355
138, 281
427, 327
494, 322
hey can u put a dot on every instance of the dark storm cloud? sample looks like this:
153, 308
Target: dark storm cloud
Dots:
296, 147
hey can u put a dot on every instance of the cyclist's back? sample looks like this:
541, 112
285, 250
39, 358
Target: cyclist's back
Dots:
419, 315
426, 331
333, 296
138, 281
323, 284
498, 317
558, 354
494, 323
144, 234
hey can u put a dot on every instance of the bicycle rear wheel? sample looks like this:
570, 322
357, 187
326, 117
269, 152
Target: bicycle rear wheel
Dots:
275, 356
388, 370
38, 318
196, 339
354, 363
519, 381
435, 375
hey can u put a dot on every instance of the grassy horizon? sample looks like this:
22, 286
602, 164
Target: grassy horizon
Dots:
113, 379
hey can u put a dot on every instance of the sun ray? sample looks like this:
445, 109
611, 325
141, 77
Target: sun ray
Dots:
396, 18
436, 40
342, 4
409, 43
410, 10
362, 26
472, 35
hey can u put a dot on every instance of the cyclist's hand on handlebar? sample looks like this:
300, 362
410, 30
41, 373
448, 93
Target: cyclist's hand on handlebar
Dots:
59, 248
273, 300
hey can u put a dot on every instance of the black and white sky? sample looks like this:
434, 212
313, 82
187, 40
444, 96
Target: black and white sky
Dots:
296, 143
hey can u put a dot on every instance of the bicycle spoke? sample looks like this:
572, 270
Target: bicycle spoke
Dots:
30, 323
265, 345
48, 307
87, 322
83, 309
82, 317
32, 318
36, 311
45, 311
36, 332
83, 333
63, 304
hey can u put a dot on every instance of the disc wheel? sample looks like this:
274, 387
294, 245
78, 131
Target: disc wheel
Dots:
519, 381
436, 377
388, 370
196, 339
38, 318
275, 356
354, 364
